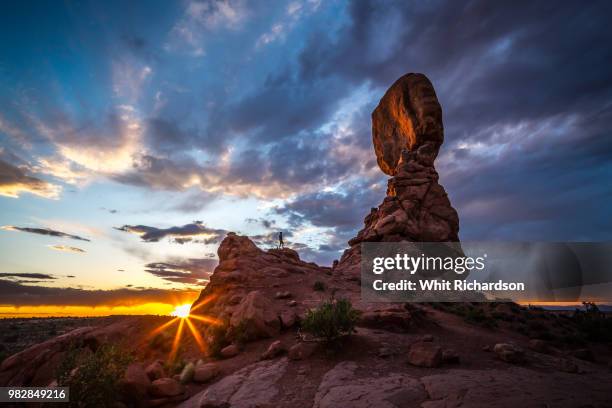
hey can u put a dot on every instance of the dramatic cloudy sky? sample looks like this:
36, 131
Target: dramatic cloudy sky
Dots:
134, 135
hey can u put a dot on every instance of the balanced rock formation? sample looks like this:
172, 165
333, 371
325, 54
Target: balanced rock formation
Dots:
407, 133
407, 117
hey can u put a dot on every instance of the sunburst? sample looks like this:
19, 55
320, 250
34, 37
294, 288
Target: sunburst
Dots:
183, 315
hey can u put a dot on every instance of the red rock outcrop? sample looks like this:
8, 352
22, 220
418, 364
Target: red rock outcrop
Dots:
250, 288
407, 133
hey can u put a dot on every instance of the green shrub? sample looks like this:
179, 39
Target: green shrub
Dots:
175, 365
93, 376
319, 286
592, 323
331, 320
479, 317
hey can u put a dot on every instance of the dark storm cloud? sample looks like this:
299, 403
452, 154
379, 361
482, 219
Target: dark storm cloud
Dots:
266, 223
532, 197
283, 106
196, 232
190, 271
159, 173
166, 135
44, 231
27, 275
341, 213
17, 294
532, 69
333, 209
525, 90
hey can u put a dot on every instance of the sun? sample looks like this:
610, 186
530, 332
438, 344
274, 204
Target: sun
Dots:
181, 311
185, 315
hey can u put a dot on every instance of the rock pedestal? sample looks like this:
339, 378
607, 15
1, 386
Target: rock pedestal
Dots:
407, 133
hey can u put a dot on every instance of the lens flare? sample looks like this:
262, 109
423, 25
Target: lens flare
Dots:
181, 311
183, 315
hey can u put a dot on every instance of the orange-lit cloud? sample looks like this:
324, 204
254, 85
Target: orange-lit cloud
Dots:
15, 294
14, 181
66, 248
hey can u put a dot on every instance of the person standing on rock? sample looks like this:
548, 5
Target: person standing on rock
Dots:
281, 244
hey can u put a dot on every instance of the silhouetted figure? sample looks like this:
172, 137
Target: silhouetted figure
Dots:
281, 244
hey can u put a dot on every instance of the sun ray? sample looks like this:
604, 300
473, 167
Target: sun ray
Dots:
206, 319
196, 335
177, 340
202, 303
163, 327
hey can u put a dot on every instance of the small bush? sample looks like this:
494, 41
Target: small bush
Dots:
93, 376
592, 323
331, 320
479, 317
319, 286
174, 366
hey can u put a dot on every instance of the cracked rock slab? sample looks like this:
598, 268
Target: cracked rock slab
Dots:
342, 387
513, 387
254, 386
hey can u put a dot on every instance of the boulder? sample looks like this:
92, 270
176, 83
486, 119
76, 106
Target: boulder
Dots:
288, 318
425, 354
394, 319
257, 315
302, 350
155, 370
275, 349
450, 356
283, 295
165, 387
539, 346
186, 375
509, 353
427, 337
230, 351
134, 384
408, 117
206, 372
